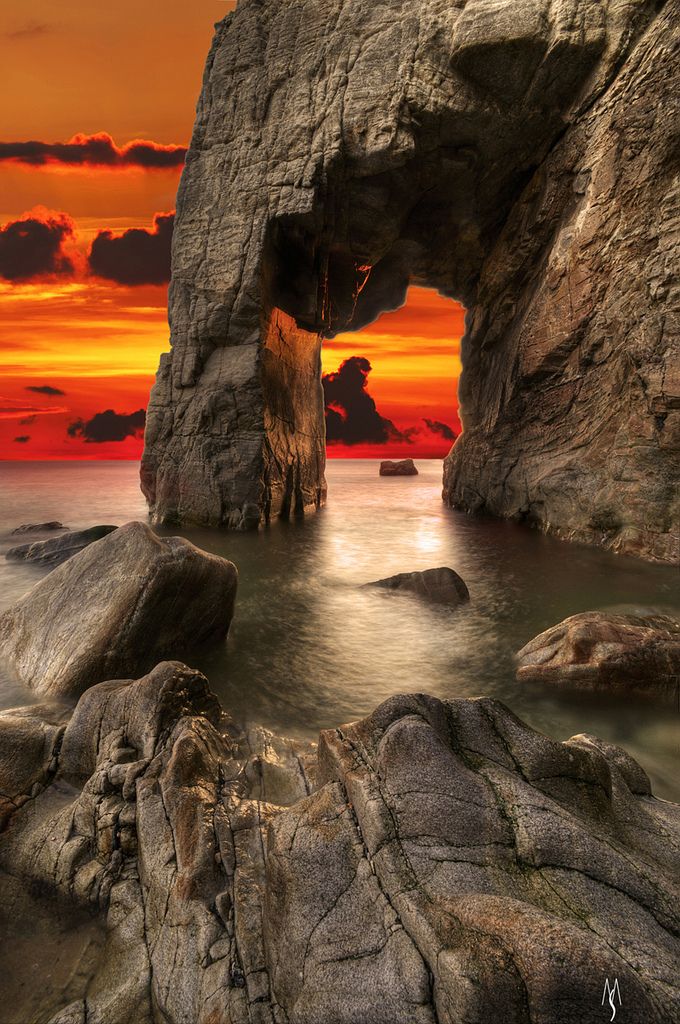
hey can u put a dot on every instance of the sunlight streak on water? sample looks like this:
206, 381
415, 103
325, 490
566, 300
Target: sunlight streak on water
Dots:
310, 649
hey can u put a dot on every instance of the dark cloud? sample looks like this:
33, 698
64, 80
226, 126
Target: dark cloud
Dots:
45, 389
95, 151
23, 439
27, 420
108, 426
33, 246
351, 414
137, 256
443, 429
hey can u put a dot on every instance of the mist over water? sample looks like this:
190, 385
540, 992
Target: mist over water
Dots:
310, 649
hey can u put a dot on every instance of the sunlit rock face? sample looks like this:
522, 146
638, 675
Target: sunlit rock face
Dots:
514, 155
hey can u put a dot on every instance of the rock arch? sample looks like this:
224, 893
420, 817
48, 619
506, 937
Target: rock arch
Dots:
517, 156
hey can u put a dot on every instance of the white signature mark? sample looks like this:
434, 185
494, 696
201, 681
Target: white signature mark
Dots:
610, 993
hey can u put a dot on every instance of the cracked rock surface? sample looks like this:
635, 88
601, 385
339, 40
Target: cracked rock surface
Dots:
115, 609
517, 155
437, 861
635, 655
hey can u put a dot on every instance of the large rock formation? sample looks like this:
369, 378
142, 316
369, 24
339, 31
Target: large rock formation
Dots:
436, 862
115, 609
517, 156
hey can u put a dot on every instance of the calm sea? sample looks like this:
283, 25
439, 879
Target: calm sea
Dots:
309, 649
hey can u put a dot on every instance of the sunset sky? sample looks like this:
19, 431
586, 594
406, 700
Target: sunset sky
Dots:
85, 224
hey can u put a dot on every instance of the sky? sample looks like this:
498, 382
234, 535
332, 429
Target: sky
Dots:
98, 109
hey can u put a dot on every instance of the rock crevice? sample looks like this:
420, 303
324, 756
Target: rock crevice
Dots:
436, 861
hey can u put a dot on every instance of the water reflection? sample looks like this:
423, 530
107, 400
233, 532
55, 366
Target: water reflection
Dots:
309, 648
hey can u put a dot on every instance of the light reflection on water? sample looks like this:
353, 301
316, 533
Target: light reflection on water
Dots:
310, 649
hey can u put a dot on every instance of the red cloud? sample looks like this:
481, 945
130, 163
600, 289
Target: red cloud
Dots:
95, 151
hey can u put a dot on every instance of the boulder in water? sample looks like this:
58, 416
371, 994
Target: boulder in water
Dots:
39, 527
58, 549
625, 654
441, 586
405, 467
115, 608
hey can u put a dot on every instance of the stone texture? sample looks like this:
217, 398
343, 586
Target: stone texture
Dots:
435, 862
626, 654
58, 549
441, 586
115, 608
517, 156
404, 467
39, 527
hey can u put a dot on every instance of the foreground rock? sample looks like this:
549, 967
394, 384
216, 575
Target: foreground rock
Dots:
436, 862
115, 608
405, 467
626, 654
58, 549
39, 527
441, 586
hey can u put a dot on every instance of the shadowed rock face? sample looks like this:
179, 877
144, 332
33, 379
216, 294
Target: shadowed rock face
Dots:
435, 862
115, 608
58, 549
516, 156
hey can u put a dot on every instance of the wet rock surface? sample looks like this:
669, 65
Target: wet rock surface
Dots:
115, 608
404, 467
517, 156
58, 549
632, 655
39, 527
441, 586
437, 861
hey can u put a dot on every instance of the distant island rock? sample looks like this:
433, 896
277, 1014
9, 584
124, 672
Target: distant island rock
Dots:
626, 654
58, 549
115, 608
441, 586
405, 467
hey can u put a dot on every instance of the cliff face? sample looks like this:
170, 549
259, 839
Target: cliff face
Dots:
515, 156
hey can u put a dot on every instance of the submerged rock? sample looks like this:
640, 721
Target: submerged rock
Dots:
625, 654
39, 527
58, 549
444, 862
441, 586
115, 608
405, 467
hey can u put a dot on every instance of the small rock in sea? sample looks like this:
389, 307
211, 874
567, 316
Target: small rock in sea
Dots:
601, 651
115, 609
58, 549
406, 467
39, 527
441, 586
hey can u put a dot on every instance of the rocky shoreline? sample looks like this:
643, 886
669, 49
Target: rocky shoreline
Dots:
436, 861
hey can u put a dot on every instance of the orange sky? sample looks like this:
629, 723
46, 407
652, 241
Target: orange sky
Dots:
133, 71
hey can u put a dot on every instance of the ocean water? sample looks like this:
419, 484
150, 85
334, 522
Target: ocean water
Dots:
310, 649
